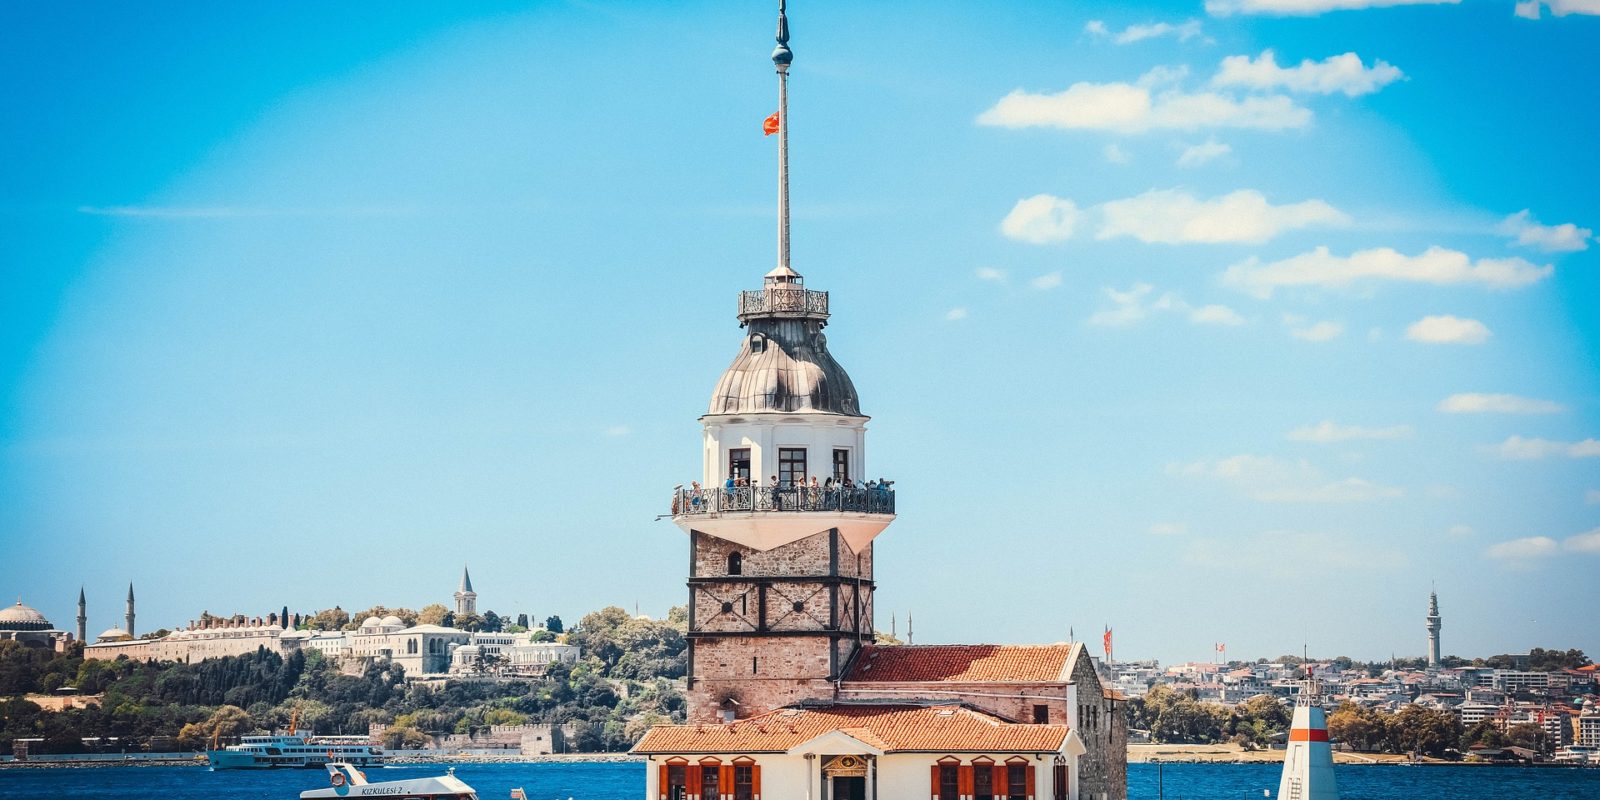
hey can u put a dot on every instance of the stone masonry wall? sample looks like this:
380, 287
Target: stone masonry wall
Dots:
1103, 770
761, 674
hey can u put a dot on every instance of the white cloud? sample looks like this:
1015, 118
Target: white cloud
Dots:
1530, 8
1592, 497
1215, 315
1459, 530
1129, 307
1284, 8
1328, 431
990, 274
1116, 154
1527, 232
1445, 329
955, 314
1203, 153
1173, 216
1583, 542
1516, 448
1523, 550
1047, 281
1040, 219
1342, 73
1272, 480
1182, 31
1324, 331
1436, 265
1474, 403
617, 430
1169, 529
1142, 106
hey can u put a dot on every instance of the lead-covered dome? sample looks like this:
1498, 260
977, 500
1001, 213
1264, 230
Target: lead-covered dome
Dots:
783, 364
22, 618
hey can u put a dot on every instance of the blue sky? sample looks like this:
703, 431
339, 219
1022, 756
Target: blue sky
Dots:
1242, 323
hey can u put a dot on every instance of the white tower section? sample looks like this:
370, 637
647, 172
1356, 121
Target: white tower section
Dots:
1308, 763
1435, 623
128, 618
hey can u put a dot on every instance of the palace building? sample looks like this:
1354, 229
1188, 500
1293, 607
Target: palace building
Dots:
787, 687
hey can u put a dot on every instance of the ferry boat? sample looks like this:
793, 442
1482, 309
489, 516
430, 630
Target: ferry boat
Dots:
347, 781
290, 750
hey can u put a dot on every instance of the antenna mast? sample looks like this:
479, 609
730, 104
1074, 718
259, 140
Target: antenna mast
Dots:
781, 58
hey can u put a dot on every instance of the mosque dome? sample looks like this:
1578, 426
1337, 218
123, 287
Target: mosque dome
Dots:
113, 635
22, 618
371, 622
393, 621
783, 365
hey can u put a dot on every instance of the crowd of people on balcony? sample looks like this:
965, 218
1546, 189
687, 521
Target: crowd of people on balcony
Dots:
739, 493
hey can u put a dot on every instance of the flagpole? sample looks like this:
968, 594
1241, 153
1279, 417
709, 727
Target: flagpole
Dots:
781, 58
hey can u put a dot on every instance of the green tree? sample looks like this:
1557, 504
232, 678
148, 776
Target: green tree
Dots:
1358, 727
1529, 736
432, 614
552, 624
492, 623
332, 619
224, 724
1414, 729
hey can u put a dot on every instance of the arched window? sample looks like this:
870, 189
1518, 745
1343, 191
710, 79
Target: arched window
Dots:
735, 563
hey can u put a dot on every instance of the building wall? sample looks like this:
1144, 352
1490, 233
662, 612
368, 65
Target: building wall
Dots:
1102, 723
1012, 701
899, 776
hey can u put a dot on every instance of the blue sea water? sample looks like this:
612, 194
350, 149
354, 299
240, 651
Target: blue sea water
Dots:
626, 782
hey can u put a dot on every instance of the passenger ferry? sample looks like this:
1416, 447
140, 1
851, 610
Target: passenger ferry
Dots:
347, 781
265, 752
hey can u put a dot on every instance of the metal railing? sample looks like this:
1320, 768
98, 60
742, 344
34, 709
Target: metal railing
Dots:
878, 499
802, 302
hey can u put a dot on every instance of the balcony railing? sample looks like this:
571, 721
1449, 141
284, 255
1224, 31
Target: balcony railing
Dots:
877, 499
797, 302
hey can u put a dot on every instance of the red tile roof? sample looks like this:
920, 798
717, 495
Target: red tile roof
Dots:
887, 727
973, 663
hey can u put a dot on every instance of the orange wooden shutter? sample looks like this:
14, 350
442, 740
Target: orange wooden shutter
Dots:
661, 785
692, 776
755, 781
964, 780
999, 787
725, 781
1028, 771
934, 792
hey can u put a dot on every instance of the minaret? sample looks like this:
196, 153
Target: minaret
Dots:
1435, 622
780, 582
83, 616
466, 599
129, 626
1308, 761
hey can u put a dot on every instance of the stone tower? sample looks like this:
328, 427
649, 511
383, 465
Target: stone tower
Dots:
1435, 622
83, 617
466, 599
129, 618
780, 581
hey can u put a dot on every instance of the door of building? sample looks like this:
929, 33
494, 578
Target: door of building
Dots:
849, 788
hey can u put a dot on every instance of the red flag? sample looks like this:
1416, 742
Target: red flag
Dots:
769, 125
1108, 642
1222, 648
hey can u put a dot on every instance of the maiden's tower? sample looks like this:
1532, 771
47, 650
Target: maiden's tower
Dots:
786, 687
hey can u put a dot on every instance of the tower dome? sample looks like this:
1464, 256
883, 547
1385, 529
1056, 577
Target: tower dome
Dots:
783, 365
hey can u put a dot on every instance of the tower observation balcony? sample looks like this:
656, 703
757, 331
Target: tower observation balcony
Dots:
782, 301
764, 517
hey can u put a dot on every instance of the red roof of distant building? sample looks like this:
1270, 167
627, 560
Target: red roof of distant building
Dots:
970, 663
886, 727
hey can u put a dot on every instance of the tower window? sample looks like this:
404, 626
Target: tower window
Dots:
791, 465
739, 462
735, 563
1041, 714
727, 607
841, 464
754, 665
799, 605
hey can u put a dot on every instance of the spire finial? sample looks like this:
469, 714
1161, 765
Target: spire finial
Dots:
781, 58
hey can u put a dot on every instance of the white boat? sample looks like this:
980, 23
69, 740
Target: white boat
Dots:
266, 752
347, 781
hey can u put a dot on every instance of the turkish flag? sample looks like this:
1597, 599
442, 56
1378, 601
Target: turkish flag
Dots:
769, 125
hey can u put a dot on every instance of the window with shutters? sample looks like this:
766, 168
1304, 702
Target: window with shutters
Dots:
1017, 782
710, 787
949, 782
677, 782
983, 783
744, 782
